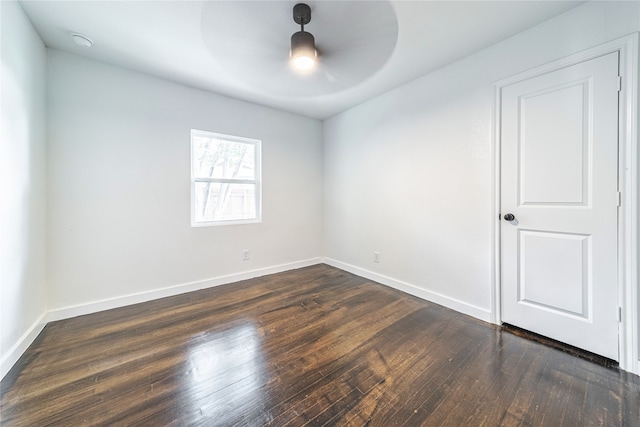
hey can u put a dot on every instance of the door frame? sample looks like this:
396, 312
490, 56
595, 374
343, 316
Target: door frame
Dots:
629, 329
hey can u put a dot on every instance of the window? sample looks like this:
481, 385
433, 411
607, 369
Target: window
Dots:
225, 179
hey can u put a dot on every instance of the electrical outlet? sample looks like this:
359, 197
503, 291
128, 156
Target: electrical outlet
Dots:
246, 255
376, 257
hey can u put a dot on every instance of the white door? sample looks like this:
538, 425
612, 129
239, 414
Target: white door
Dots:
559, 170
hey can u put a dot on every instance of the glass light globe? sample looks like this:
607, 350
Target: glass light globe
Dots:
304, 62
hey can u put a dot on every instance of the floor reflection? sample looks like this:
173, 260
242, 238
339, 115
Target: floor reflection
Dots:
227, 373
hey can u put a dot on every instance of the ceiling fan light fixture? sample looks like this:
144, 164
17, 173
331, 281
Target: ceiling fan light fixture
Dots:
303, 51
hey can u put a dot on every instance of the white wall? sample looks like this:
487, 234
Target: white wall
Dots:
119, 189
22, 184
409, 173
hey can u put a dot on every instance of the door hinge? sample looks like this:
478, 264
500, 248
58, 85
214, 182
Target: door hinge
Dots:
619, 199
619, 314
619, 83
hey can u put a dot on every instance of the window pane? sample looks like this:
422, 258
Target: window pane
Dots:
224, 202
220, 158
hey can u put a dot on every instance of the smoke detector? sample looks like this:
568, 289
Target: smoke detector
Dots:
81, 40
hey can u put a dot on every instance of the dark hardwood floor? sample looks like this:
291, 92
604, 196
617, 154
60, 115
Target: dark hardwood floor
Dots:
315, 346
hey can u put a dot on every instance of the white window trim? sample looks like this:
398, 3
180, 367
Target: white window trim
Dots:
257, 181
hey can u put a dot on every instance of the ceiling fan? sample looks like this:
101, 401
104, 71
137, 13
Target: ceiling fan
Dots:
252, 43
303, 51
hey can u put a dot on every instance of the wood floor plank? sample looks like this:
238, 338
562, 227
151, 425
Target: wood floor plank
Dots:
310, 347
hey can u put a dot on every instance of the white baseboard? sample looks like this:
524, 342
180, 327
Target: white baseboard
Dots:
107, 304
14, 353
452, 303
27, 339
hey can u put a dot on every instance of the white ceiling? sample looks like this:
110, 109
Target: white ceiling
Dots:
240, 48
